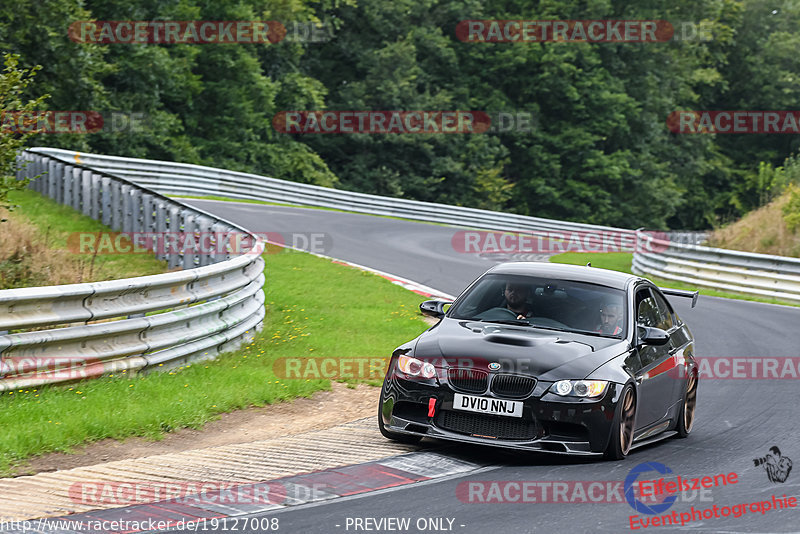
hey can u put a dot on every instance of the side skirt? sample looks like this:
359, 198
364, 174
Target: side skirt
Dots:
653, 439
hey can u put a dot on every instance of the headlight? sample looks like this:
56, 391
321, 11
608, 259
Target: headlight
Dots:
414, 367
579, 388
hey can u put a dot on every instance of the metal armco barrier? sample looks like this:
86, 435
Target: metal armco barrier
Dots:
112, 189
185, 179
680, 259
63, 333
760, 275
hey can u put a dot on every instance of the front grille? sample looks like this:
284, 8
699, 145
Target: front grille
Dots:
512, 385
468, 380
487, 425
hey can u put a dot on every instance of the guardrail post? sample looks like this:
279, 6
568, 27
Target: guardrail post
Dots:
222, 250
29, 170
160, 229
174, 222
36, 164
66, 185
138, 211
76, 188
190, 241
127, 208
206, 245
59, 182
116, 206
105, 200
95, 190
148, 217
30, 167
87, 198
19, 166
51, 179
40, 168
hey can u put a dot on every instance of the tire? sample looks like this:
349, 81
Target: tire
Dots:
399, 438
624, 425
688, 407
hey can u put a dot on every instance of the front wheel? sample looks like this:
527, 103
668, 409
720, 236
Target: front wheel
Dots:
686, 418
622, 430
399, 438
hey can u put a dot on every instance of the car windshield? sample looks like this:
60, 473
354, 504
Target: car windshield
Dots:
548, 303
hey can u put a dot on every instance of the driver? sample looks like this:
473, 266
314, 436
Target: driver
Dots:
516, 296
610, 319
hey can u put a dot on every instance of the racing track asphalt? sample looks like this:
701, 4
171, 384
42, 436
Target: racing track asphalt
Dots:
737, 420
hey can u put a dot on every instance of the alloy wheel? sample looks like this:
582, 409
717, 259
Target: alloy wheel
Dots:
627, 422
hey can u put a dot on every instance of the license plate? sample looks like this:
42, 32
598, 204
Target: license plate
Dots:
471, 403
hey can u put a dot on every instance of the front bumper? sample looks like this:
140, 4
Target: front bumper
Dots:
549, 423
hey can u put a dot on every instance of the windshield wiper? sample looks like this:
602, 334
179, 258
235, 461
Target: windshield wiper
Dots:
572, 331
550, 328
518, 322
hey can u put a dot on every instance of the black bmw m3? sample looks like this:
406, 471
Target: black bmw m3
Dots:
545, 357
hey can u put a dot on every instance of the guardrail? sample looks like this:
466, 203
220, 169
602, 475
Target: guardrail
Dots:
185, 179
62, 333
759, 275
679, 258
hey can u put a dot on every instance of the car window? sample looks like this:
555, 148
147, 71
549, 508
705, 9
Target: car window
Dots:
667, 321
647, 314
545, 302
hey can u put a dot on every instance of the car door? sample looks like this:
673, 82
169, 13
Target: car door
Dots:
656, 378
679, 342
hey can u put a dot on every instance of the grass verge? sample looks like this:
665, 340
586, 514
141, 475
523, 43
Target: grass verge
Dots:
315, 308
621, 261
34, 247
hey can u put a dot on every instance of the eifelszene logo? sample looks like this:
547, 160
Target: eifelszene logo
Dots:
629, 487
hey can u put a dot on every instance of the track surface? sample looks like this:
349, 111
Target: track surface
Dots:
737, 420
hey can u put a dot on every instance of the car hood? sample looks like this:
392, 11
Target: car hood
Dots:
545, 354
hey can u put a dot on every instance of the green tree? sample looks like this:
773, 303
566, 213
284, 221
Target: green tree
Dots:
13, 84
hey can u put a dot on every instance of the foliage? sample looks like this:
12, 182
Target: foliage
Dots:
791, 210
599, 150
14, 80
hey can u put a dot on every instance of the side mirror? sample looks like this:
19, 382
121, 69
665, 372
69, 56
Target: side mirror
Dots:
434, 308
649, 335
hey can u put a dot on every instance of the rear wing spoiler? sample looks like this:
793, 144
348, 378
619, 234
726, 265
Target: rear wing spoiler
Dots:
681, 293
